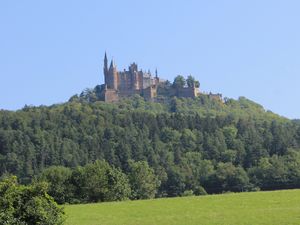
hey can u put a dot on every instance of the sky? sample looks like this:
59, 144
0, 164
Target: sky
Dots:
53, 49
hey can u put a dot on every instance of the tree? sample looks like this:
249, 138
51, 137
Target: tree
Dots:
27, 205
278, 171
230, 133
197, 170
142, 179
59, 180
232, 178
191, 82
98, 182
118, 183
175, 184
179, 82
188, 140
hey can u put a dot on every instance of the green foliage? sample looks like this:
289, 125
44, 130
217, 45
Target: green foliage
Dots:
233, 145
59, 179
200, 191
98, 182
95, 182
27, 205
142, 179
278, 172
188, 193
179, 82
191, 82
231, 178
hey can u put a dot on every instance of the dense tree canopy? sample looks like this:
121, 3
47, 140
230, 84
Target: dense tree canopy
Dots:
180, 145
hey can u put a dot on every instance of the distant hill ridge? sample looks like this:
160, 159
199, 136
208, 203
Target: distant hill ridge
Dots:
191, 140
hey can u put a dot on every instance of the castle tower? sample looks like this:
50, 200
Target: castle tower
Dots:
110, 74
136, 80
156, 79
113, 76
105, 69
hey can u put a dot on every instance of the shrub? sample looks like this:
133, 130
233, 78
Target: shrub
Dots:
200, 191
27, 205
188, 193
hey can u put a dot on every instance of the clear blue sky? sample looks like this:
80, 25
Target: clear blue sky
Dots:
52, 49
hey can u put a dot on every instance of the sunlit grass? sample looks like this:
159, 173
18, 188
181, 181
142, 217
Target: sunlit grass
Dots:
272, 208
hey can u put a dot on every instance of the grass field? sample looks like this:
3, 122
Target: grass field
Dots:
272, 208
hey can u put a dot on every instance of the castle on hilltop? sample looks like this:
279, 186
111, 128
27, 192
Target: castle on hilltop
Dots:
122, 84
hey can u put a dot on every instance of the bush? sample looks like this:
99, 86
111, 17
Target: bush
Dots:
27, 205
200, 191
188, 193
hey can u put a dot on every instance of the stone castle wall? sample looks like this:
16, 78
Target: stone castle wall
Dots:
150, 92
187, 92
109, 95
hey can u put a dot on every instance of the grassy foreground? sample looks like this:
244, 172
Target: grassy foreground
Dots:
272, 208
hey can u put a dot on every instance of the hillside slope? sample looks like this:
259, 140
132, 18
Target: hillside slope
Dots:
190, 143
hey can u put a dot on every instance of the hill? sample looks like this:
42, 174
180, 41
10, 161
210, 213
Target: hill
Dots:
260, 208
190, 144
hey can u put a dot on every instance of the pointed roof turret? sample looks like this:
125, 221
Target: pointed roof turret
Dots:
105, 56
112, 64
105, 61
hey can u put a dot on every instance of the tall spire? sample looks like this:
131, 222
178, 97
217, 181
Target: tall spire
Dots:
105, 63
111, 64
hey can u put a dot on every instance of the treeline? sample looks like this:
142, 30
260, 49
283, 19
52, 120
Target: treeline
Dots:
99, 182
192, 146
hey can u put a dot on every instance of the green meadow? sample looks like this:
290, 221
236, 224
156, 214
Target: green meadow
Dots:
272, 208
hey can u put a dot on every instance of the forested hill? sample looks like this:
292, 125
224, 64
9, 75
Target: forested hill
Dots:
233, 145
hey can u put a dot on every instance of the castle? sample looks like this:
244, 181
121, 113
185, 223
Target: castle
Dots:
122, 84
